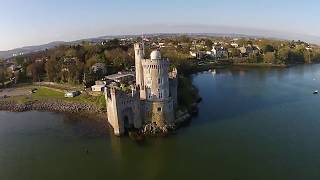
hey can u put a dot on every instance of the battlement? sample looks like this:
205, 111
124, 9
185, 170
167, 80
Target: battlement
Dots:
138, 46
121, 91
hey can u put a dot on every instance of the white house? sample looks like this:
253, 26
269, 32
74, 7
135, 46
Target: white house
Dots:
235, 45
98, 88
193, 54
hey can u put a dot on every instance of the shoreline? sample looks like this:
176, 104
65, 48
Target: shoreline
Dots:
48, 106
260, 65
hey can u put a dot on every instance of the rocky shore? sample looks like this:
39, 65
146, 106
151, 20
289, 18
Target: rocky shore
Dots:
182, 118
52, 106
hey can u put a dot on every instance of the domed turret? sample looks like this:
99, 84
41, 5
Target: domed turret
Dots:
155, 55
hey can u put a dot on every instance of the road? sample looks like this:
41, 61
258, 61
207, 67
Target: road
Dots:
14, 92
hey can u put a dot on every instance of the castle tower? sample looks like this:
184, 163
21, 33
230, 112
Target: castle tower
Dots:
123, 109
156, 77
139, 56
158, 104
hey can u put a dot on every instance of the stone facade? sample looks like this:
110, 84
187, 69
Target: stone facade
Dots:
152, 98
123, 108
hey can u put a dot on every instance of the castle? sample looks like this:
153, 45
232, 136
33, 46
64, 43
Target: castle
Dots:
152, 98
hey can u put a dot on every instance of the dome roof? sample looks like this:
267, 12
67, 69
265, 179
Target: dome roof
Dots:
155, 54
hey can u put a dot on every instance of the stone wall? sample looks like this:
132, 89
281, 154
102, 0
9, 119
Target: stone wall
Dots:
158, 112
123, 106
52, 106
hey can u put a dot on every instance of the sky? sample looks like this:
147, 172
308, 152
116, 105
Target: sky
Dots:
34, 22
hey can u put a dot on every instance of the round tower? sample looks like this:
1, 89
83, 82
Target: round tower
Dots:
158, 105
139, 56
156, 77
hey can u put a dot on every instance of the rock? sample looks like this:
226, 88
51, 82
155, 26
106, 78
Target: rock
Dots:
152, 129
47, 106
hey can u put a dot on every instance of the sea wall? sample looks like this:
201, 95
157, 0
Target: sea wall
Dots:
48, 106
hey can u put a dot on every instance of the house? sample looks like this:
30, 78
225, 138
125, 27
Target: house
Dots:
235, 45
246, 50
162, 45
219, 52
309, 48
99, 86
249, 49
198, 55
99, 67
193, 54
121, 77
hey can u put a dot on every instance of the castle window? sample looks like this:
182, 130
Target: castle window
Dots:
159, 81
159, 109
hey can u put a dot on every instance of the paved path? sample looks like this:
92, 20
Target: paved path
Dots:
14, 92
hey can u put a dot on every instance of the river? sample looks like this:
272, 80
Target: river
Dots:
253, 124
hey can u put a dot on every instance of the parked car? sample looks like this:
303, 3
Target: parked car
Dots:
34, 90
72, 94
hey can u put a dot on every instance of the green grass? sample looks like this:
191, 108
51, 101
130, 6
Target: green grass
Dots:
54, 94
44, 93
18, 99
47, 93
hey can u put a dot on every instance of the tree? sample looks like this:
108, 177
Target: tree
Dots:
53, 68
234, 52
269, 57
19, 60
267, 48
283, 54
3, 75
91, 61
35, 70
119, 58
208, 43
71, 53
184, 39
89, 78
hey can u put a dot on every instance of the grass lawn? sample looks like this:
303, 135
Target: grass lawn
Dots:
44, 93
47, 93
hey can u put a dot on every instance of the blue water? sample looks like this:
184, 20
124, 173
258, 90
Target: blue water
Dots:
253, 124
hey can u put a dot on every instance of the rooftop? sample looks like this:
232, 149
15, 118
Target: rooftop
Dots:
119, 75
